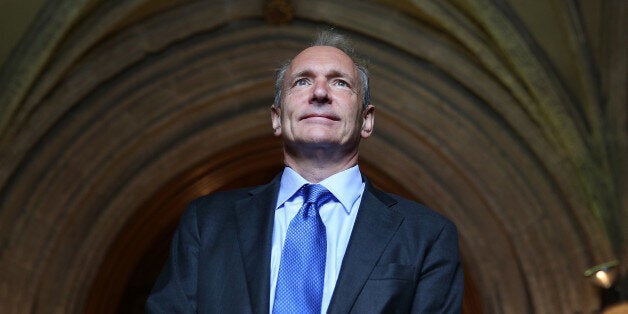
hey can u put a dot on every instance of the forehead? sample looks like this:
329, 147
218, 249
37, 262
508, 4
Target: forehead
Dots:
322, 58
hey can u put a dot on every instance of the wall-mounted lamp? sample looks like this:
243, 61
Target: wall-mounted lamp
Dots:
606, 277
603, 275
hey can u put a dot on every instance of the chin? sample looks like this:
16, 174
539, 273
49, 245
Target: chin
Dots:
319, 141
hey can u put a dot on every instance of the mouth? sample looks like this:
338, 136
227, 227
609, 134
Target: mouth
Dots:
320, 116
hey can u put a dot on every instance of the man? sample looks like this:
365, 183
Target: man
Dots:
276, 248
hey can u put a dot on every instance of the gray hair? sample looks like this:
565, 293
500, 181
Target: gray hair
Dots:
332, 39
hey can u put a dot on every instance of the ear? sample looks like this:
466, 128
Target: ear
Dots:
275, 118
368, 121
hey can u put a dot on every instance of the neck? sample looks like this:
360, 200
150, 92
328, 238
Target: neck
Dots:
319, 165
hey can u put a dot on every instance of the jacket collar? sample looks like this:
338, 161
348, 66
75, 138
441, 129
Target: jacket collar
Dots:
255, 217
375, 225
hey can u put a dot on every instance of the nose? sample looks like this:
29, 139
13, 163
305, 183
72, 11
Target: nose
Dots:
320, 94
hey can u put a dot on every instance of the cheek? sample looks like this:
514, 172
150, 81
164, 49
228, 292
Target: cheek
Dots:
294, 96
287, 120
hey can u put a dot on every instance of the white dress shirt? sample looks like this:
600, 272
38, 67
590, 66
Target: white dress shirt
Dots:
338, 215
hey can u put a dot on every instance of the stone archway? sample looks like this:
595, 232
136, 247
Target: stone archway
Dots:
138, 104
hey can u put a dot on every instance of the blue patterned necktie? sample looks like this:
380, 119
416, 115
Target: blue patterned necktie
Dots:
302, 267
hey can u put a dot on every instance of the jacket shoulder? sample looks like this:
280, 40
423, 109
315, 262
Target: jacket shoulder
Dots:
412, 211
217, 207
222, 197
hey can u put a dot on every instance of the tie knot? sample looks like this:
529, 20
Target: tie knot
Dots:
316, 193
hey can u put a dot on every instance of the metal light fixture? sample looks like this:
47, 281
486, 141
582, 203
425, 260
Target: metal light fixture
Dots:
603, 275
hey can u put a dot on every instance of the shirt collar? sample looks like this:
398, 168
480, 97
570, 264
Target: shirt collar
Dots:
346, 186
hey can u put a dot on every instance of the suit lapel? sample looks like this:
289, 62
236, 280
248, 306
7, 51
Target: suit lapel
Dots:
255, 228
374, 227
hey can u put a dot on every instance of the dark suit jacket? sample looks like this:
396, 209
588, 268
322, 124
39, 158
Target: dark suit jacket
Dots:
401, 258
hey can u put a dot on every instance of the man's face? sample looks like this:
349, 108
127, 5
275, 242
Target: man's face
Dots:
321, 103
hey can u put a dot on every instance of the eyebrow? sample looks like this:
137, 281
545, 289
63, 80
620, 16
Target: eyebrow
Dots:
333, 73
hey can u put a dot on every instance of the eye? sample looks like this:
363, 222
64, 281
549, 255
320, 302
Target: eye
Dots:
301, 82
341, 83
